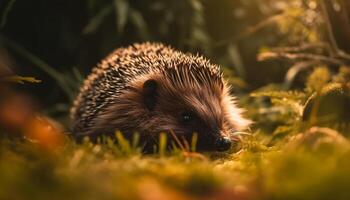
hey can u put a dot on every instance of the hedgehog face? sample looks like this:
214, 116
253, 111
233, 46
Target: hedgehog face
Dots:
187, 109
158, 104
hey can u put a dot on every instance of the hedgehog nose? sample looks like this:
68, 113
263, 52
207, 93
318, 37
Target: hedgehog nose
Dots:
223, 144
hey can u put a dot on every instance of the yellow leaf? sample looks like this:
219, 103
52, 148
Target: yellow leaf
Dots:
21, 79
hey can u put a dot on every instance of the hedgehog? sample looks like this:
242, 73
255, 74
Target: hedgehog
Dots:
151, 88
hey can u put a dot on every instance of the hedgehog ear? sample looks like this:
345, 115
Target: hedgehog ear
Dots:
150, 93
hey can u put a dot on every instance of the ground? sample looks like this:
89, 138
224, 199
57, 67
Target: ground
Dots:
313, 165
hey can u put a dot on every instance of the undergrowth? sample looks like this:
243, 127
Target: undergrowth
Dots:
313, 165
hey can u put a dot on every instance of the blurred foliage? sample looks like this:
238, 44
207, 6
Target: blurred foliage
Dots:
313, 165
287, 60
66, 35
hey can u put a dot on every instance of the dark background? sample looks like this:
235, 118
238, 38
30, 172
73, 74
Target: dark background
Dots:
77, 34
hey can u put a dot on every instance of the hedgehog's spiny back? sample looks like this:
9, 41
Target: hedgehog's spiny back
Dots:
112, 76
109, 78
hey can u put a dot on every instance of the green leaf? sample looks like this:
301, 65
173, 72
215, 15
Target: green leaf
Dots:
97, 20
121, 8
6, 12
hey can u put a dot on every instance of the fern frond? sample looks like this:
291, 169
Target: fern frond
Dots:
294, 95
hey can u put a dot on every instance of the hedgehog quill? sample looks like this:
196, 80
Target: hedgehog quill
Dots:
149, 89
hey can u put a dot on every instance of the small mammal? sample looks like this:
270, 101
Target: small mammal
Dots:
149, 89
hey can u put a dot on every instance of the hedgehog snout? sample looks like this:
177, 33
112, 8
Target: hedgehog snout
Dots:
223, 144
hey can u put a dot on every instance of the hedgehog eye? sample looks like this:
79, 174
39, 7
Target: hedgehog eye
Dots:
186, 117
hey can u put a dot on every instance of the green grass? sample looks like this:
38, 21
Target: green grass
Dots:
314, 165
